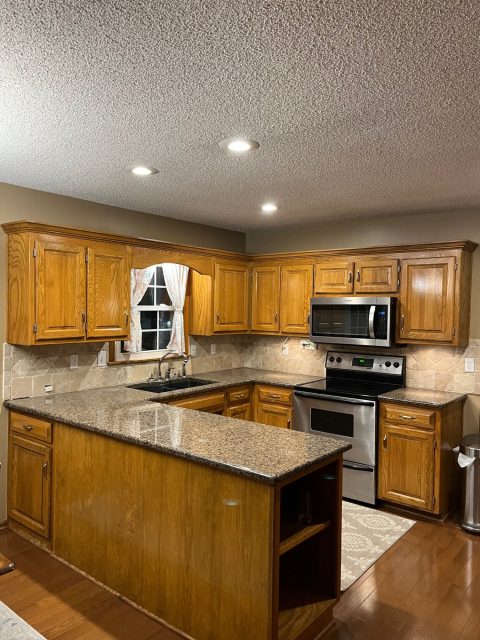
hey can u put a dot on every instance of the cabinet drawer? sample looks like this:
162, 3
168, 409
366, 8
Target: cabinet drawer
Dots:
236, 396
212, 402
31, 427
408, 415
275, 395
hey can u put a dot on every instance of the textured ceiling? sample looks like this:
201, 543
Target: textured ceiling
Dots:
361, 108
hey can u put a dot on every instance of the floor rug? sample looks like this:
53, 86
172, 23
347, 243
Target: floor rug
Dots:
366, 534
14, 628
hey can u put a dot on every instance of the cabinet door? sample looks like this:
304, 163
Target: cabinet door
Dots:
29, 483
108, 291
274, 415
296, 291
231, 297
406, 466
265, 299
376, 276
60, 292
334, 276
427, 299
240, 411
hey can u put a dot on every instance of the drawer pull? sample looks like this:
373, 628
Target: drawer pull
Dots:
407, 417
274, 396
238, 396
28, 427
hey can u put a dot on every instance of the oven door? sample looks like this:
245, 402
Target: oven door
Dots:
350, 419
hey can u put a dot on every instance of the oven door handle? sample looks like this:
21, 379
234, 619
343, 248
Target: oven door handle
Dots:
357, 467
322, 396
371, 318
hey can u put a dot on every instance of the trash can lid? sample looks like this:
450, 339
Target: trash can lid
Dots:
470, 445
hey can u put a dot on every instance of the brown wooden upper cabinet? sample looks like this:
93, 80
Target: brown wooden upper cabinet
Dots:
428, 301
281, 298
369, 275
64, 289
219, 305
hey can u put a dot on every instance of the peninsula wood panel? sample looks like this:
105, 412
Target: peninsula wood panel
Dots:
334, 276
296, 291
166, 534
60, 292
266, 299
376, 276
108, 291
29, 483
427, 300
231, 297
406, 459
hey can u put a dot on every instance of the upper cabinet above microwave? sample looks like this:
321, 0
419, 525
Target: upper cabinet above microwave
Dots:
365, 275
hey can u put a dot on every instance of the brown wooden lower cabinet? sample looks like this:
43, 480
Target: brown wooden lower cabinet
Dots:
273, 406
209, 402
240, 411
30, 462
417, 467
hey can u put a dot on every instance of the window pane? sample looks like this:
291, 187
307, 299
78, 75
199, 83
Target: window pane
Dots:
163, 297
160, 278
148, 298
163, 339
148, 319
149, 340
165, 319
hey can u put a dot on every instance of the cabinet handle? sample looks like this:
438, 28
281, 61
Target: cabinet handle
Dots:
385, 442
28, 427
402, 323
218, 316
126, 318
84, 317
358, 276
45, 469
349, 277
407, 417
288, 423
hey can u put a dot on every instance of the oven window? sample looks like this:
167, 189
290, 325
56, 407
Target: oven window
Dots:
338, 424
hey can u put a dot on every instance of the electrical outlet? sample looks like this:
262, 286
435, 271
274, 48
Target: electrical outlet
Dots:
469, 365
213, 349
74, 361
308, 344
285, 347
48, 388
102, 359
193, 349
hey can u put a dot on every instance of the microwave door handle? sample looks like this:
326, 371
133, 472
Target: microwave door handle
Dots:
371, 318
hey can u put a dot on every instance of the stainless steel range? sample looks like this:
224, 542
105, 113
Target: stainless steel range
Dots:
344, 405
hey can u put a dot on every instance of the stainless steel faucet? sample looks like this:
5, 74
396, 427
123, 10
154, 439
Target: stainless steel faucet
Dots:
160, 361
186, 358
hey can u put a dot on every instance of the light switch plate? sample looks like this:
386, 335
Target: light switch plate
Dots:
285, 350
469, 365
74, 361
193, 349
102, 359
213, 349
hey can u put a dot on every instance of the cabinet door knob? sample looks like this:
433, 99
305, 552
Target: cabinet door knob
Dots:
385, 442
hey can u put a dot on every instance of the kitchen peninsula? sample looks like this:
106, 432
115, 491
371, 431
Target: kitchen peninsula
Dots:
223, 528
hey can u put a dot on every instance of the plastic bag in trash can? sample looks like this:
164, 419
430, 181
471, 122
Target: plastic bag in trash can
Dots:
463, 460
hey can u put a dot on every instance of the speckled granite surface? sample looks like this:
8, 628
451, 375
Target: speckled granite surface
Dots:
264, 453
422, 397
14, 628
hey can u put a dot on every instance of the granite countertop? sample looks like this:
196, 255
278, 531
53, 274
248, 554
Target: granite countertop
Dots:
264, 453
422, 397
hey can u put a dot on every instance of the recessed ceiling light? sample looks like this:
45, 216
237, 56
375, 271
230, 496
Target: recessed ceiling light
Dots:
269, 207
239, 145
144, 171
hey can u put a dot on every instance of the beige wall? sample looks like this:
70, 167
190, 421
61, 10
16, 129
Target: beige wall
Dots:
18, 203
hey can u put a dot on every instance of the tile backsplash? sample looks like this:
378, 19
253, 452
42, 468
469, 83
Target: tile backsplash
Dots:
26, 370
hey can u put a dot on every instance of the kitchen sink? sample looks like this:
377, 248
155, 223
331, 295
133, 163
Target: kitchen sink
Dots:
170, 385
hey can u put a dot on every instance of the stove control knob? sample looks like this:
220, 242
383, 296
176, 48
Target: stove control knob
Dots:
396, 365
388, 363
339, 359
332, 359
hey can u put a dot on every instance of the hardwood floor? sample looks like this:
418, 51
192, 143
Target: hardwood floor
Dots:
426, 587
61, 604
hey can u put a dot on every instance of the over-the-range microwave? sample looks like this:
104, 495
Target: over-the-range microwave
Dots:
361, 321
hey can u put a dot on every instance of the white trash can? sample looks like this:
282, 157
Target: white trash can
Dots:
469, 459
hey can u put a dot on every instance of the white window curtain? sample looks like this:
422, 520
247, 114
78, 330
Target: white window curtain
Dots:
140, 279
175, 276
